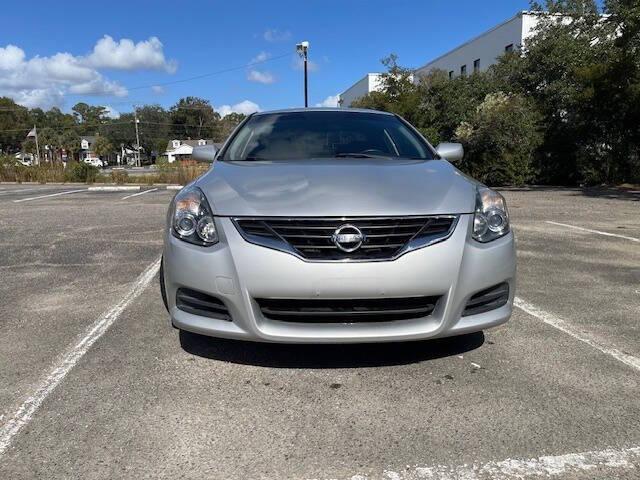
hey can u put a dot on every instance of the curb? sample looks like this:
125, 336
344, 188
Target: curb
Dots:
123, 188
101, 188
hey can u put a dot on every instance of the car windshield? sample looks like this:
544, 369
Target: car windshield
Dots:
325, 134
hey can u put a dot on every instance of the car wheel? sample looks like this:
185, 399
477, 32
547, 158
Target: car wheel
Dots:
163, 291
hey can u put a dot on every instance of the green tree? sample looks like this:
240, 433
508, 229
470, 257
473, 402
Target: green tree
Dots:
194, 118
227, 124
89, 114
14, 125
154, 127
70, 142
501, 140
103, 147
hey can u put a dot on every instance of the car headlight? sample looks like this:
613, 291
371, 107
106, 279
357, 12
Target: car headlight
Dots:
192, 218
491, 219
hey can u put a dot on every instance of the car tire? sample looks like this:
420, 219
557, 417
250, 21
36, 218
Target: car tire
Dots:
163, 291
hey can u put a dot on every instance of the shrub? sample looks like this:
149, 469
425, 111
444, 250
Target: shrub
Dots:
501, 140
81, 172
10, 171
119, 176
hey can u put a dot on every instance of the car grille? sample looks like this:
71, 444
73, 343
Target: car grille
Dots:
311, 238
346, 310
198, 303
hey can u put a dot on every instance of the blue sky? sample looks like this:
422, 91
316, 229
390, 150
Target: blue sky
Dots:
348, 38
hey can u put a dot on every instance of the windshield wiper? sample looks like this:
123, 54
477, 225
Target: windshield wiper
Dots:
358, 155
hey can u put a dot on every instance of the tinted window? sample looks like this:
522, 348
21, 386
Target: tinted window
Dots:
300, 135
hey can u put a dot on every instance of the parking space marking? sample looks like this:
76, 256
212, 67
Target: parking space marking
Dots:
565, 327
24, 414
541, 467
139, 193
50, 195
606, 234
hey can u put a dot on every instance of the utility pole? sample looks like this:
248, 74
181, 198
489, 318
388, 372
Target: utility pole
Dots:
135, 116
37, 146
303, 50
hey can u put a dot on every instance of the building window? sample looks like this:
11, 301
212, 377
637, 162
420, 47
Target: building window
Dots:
202, 143
175, 143
476, 66
509, 48
450, 74
463, 70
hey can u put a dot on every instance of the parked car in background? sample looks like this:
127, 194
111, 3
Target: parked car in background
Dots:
336, 225
24, 159
24, 163
96, 162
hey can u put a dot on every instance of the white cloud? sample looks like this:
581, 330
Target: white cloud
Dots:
112, 112
99, 86
275, 35
44, 81
260, 77
261, 57
10, 57
246, 107
127, 55
298, 64
157, 89
42, 98
330, 101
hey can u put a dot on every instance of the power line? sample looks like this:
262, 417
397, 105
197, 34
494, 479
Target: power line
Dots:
99, 125
205, 75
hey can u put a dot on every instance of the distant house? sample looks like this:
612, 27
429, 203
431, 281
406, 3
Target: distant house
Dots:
182, 149
86, 146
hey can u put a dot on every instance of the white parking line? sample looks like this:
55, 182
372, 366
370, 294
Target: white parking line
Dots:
23, 415
606, 234
139, 193
114, 188
587, 338
50, 195
511, 469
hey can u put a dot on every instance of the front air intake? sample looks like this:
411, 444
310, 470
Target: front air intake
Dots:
346, 310
198, 303
486, 300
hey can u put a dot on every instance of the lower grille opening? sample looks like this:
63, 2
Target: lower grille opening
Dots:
198, 303
346, 310
486, 300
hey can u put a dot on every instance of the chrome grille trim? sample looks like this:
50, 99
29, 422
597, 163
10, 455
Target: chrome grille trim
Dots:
308, 238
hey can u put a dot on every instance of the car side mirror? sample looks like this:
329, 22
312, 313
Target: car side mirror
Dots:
204, 153
452, 152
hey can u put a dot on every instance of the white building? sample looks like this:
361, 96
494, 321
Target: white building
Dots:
481, 52
368, 84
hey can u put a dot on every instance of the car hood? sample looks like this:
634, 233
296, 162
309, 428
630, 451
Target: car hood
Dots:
337, 187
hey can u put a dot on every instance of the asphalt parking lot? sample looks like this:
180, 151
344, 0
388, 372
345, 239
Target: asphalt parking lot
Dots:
96, 384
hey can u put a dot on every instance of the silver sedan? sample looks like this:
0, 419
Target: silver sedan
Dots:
336, 225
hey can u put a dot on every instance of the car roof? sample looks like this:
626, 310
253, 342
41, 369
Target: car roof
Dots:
323, 109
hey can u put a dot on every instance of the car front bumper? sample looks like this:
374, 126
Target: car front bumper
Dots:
238, 272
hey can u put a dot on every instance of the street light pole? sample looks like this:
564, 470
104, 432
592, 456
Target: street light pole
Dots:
303, 50
135, 116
